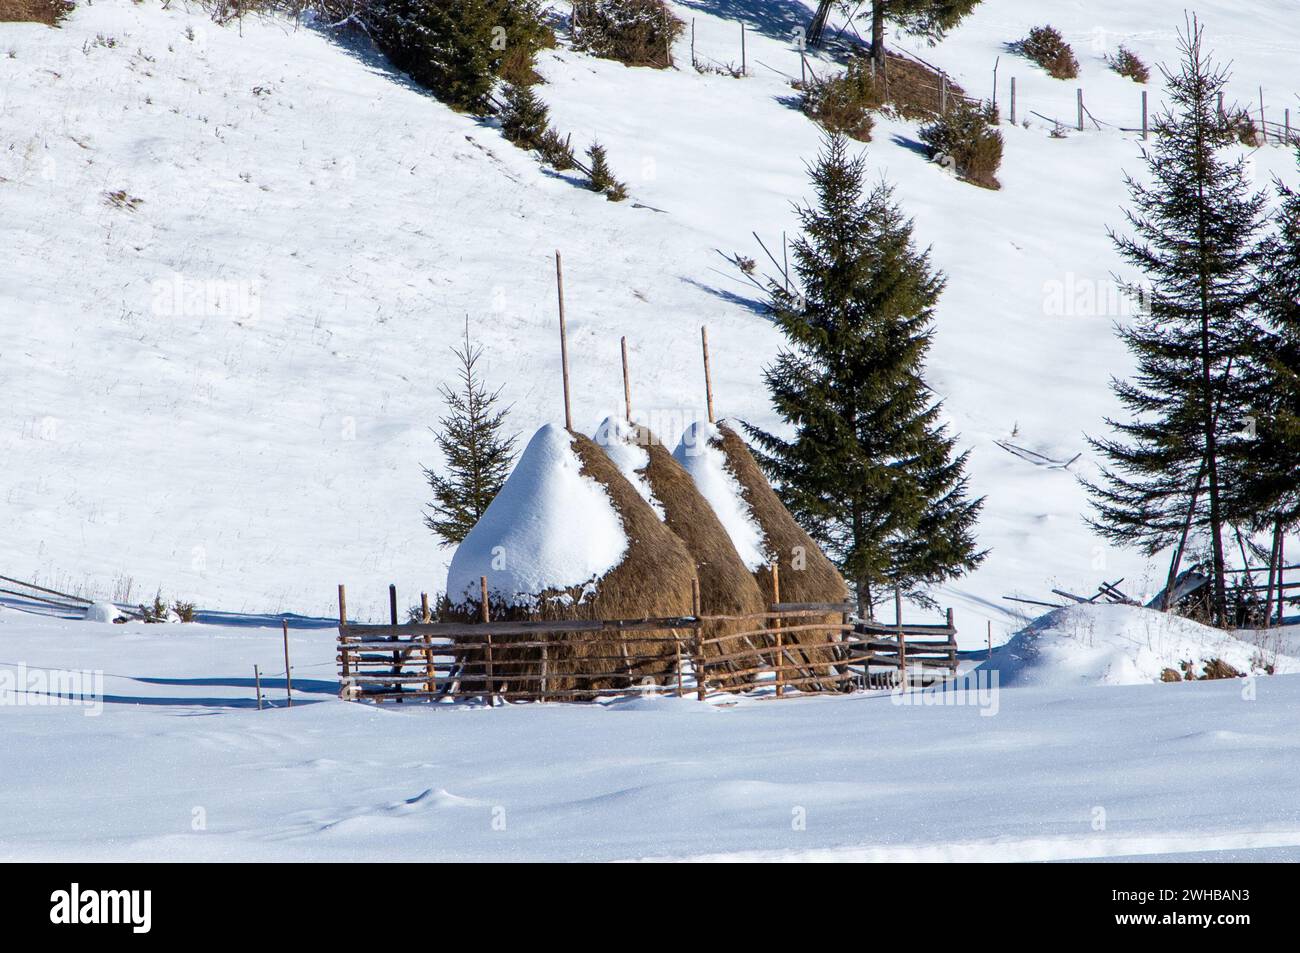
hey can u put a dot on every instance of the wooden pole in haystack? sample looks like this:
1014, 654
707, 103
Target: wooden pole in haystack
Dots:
708, 373
288, 677
776, 625
627, 383
564, 343
486, 613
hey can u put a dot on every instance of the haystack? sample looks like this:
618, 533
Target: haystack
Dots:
569, 537
763, 531
727, 587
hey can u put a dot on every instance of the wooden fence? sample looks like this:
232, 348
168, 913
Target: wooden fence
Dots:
792, 647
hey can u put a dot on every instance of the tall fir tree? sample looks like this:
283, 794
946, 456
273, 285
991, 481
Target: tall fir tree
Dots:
1174, 465
928, 19
870, 471
477, 453
1273, 469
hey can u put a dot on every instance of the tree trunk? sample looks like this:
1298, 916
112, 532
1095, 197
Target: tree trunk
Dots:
1176, 562
878, 32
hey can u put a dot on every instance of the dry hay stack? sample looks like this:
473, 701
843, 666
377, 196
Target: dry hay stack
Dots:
654, 576
726, 585
806, 574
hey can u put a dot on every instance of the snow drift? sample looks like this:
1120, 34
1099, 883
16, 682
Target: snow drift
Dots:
1124, 645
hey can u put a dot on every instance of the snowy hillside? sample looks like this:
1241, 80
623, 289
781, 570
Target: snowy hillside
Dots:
234, 260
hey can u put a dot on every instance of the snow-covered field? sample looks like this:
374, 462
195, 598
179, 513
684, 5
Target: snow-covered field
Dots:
224, 388
177, 763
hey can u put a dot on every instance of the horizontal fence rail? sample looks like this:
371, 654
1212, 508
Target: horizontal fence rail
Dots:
799, 647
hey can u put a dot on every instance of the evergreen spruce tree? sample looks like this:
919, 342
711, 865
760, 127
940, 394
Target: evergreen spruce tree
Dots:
478, 455
929, 19
870, 471
1273, 468
1174, 466
602, 178
524, 117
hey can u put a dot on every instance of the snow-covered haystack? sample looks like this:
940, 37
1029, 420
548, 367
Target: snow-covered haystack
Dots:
1126, 645
569, 537
761, 528
726, 585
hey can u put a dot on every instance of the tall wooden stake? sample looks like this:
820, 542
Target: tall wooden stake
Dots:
257, 680
708, 373
1079, 96
744, 69
288, 672
424, 607
564, 342
627, 384
1144, 114
1013, 100
990, 655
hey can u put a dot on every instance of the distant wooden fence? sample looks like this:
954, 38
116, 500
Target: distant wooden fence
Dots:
579, 661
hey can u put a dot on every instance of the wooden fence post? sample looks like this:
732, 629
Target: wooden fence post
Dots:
1079, 97
990, 655
776, 624
744, 64
1287, 137
1144, 132
486, 612
288, 672
257, 680
1013, 100
697, 644
343, 621
902, 646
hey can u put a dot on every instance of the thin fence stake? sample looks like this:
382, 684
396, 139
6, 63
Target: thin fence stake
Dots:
744, 68
257, 680
627, 385
424, 608
697, 647
708, 373
1144, 127
990, 655
564, 343
1013, 100
693, 64
1079, 98
1263, 124
288, 672
1286, 139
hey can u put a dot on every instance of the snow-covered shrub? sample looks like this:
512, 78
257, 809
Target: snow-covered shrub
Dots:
1046, 47
49, 12
1126, 63
634, 32
964, 135
458, 49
